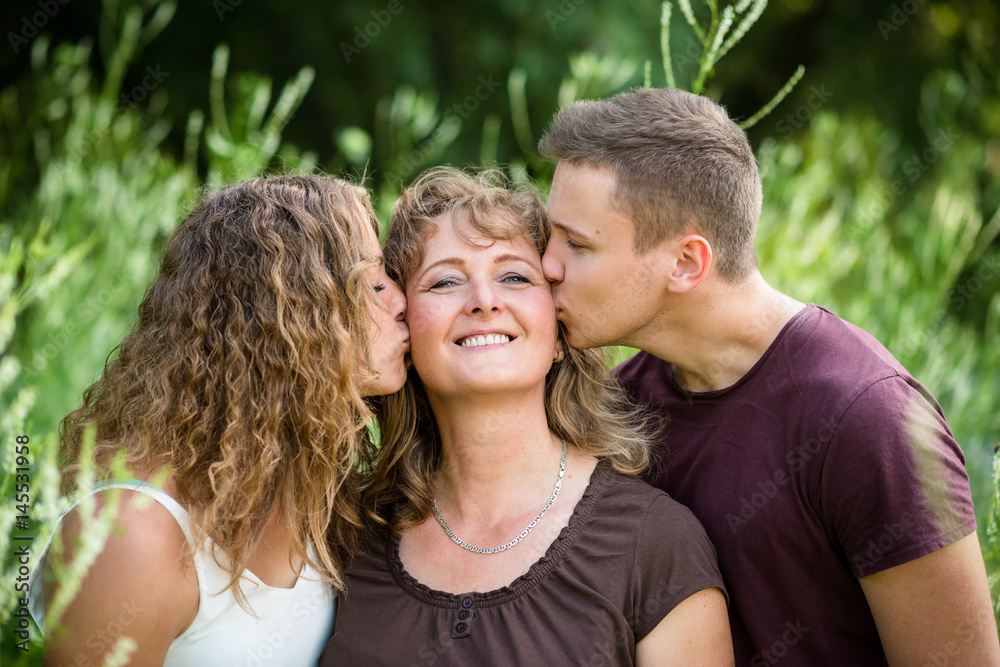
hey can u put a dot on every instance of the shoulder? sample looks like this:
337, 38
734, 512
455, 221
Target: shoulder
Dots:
141, 527
143, 574
371, 560
822, 346
656, 519
671, 554
824, 365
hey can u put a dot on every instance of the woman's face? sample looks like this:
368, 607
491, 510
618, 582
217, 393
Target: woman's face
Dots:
390, 338
481, 316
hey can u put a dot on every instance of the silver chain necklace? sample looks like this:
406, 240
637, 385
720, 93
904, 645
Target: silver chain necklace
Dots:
524, 533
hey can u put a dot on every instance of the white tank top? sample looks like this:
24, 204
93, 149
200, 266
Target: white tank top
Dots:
292, 625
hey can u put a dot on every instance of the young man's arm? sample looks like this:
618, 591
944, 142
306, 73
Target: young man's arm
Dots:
936, 609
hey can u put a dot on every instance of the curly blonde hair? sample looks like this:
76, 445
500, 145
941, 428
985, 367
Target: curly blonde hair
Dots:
583, 402
241, 373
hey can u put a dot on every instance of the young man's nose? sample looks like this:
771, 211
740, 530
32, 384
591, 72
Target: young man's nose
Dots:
552, 268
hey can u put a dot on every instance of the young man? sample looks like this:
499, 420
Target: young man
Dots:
826, 476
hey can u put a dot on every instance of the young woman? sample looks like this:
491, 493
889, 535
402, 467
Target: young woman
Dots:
516, 533
245, 377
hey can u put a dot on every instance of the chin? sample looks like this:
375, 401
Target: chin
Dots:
574, 338
391, 386
387, 383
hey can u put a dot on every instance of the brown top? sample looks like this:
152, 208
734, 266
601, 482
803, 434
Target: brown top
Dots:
629, 555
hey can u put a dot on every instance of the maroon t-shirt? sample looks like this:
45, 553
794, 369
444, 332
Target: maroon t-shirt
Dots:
826, 462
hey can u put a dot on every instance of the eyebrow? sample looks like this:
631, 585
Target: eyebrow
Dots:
572, 231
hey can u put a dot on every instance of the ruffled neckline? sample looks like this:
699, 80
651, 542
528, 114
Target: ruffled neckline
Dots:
600, 478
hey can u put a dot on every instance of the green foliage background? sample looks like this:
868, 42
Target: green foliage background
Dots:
881, 169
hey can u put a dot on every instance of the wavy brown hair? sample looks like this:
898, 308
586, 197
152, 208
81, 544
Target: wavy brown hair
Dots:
241, 373
583, 402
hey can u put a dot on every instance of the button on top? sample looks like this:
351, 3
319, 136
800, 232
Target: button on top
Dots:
467, 602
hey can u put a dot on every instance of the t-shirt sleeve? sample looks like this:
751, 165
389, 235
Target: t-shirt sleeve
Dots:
894, 486
673, 559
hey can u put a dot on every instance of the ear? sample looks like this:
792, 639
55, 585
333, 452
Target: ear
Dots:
691, 261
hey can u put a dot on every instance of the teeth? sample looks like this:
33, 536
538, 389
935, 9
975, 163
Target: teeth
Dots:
488, 339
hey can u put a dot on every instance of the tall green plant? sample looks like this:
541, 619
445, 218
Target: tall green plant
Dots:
717, 37
79, 241
592, 76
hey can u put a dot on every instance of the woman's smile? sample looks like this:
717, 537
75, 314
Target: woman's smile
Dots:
490, 340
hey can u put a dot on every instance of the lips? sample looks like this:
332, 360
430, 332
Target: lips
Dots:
484, 340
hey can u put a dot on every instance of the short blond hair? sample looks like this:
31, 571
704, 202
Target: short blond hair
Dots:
680, 165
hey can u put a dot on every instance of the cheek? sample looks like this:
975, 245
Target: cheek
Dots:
379, 321
542, 312
424, 326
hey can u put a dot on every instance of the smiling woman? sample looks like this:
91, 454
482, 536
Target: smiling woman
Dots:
462, 352
509, 533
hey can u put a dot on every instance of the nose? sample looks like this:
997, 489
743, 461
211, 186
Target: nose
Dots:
483, 298
397, 301
552, 267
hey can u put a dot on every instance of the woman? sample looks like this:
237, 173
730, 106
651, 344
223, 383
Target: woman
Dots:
516, 533
245, 377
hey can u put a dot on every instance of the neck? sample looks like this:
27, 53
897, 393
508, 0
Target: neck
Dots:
498, 456
713, 338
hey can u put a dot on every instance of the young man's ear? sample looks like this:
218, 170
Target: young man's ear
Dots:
690, 260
